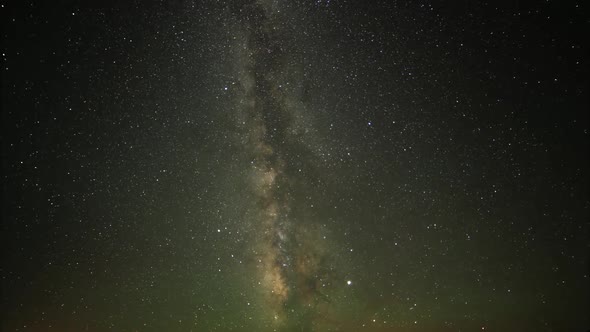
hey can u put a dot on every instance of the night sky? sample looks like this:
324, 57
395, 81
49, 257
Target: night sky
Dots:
295, 165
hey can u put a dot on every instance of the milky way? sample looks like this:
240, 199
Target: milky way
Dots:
291, 263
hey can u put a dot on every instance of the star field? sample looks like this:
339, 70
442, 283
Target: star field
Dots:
270, 165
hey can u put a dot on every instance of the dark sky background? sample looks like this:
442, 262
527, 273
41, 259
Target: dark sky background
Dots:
309, 165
